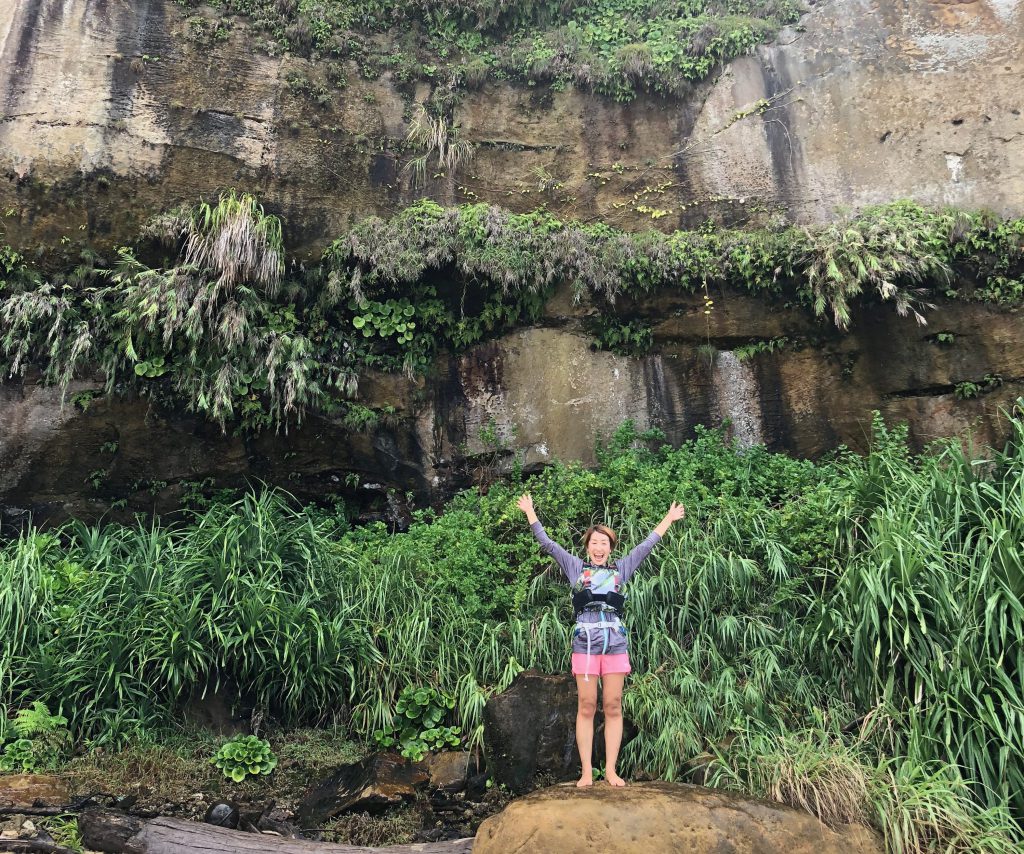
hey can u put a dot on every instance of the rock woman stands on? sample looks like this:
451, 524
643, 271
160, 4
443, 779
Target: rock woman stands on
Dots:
599, 646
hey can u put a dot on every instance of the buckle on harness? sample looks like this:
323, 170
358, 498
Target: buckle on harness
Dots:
584, 600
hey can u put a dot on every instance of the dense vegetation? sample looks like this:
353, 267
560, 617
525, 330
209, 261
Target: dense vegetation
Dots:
222, 327
617, 47
844, 635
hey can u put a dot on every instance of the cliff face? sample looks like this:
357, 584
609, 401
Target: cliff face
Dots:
529, 398
111, 113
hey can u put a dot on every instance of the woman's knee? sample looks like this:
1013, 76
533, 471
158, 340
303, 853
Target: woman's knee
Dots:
587, 706
612, 707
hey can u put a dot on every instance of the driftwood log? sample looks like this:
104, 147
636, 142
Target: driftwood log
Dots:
33, 846
116, 833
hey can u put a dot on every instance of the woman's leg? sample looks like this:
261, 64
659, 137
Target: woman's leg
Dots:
611, 705
585, 709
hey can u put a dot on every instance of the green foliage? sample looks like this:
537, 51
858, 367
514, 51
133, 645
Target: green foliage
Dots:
923, 607
617, 47
221, 332
967, 389
797, 597
64, 830
390, 319
770, 345
918, 806
243, 756
416, 728
630, 338
40, 743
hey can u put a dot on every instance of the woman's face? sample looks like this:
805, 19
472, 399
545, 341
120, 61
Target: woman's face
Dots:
598, 548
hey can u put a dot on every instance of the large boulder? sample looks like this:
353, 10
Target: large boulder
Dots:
380, 781
530, 731
661, 817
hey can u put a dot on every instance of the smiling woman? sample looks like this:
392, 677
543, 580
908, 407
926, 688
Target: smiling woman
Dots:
597, 602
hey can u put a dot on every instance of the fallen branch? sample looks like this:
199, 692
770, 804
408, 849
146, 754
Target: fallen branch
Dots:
117, 833
33, 846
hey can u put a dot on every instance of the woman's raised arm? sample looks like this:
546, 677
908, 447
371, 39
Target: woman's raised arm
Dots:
570, 564
627, 565
675, 513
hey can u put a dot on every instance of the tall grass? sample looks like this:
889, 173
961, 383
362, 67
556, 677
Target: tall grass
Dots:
927, 609
767, 631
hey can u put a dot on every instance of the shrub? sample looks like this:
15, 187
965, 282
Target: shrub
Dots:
40, 743
243, 756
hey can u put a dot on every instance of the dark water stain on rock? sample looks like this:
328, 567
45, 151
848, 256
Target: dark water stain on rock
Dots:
28, 27
783, 141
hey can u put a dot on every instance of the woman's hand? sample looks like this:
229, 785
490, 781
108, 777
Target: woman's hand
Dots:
675, 513
525, 503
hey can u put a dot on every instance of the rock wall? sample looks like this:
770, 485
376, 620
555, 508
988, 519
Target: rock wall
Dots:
109, 113
533, 396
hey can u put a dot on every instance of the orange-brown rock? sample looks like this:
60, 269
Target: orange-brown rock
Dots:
23, 791
660, 818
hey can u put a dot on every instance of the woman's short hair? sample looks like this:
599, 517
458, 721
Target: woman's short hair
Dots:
599, 529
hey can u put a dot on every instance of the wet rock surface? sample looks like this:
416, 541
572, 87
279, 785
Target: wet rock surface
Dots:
380, 781
544, 389
530, 731
660, 818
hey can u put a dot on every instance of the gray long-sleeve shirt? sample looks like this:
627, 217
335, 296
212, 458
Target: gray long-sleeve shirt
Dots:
572, 566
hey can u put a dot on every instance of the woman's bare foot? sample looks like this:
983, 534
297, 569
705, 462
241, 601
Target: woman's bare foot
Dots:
615, 780
587, 779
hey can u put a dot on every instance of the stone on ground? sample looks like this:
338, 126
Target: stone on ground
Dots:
374, 784
661, 818
449, 769
32, 790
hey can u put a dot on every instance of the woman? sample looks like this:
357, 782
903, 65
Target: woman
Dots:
599, 645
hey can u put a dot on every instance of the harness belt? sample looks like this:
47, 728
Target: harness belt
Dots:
605, 626
583, 599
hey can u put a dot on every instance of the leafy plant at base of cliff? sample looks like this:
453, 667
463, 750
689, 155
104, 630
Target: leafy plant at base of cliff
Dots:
416, 729
244, 756
794, 593
918, 806
40, 743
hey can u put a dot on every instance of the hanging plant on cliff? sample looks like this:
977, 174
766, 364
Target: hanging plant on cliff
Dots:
438, 140
234, 238
891, 250
207, 332
223, 332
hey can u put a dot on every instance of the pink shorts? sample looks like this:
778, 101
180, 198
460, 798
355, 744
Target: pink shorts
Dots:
598, 665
